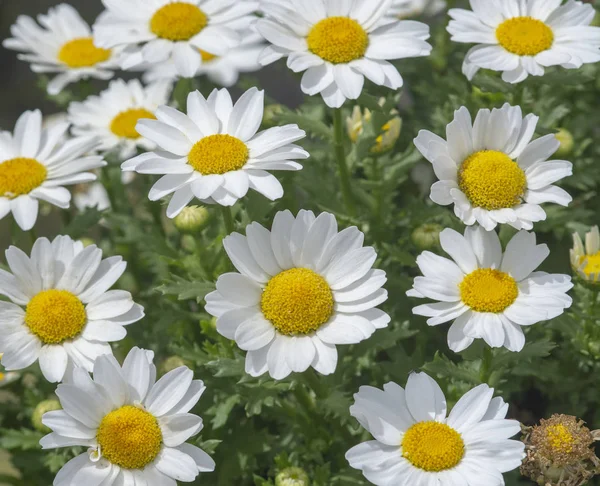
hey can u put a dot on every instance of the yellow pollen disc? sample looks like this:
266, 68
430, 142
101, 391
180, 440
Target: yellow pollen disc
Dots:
123, 125
559, 438
55, 316
488, 290
297, 301
178, 21
79, 53
525, 36
20, 176
432, 446
492, 180
218, 154
338, 40
590, 264
129, 437
207, 56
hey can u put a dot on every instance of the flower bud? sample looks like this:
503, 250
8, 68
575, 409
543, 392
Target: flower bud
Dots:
192, 219
389, 133
560, 452
39, 411
427, 236
292, 476
389, 137
565, 138
585, 257
171, 363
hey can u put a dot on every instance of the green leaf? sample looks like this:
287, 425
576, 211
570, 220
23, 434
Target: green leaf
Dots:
24, 439
442, 366
532, 350
186, 290
83, 222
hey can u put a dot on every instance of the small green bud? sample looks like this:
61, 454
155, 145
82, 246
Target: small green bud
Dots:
292, 476
171, 363
39, 411
427, 236
566, 142
192, 219
271, 113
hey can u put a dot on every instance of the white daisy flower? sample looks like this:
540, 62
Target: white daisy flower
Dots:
64, 45
339, 43
214, 153
413, 8
222, 70
135, 428
416, 444
491, 171
302, 288
112, 116
176, 30
35, 163
486, 293
93, 196
62, 312
585, 259
522, 37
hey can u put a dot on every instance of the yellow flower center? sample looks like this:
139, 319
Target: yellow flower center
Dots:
338, 40
129, 437
560, 439
488, 290
55, 316
79, 53
207, 56
2, 376
20, 176
492, 180
432, 446
218, 154
123, 125
590, 264
297, 301
178, 21
524, 36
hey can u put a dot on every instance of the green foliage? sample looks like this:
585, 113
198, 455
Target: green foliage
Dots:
254, 427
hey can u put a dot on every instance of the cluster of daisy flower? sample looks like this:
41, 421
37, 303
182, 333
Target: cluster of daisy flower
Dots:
304, 286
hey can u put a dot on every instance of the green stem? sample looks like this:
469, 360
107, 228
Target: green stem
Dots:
228, 219
314, 383
486, 364
340, 156
378, 216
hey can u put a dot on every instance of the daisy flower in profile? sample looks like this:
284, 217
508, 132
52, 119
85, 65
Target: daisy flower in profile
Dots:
135, 427
93, 196
418, 443
521, 38
112, 116
492, 171
214, 153
222, 70
62, 312
585, 259
339, 44
64, 45
413, 8
184, 31
35, 163
302, 288
488, 294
